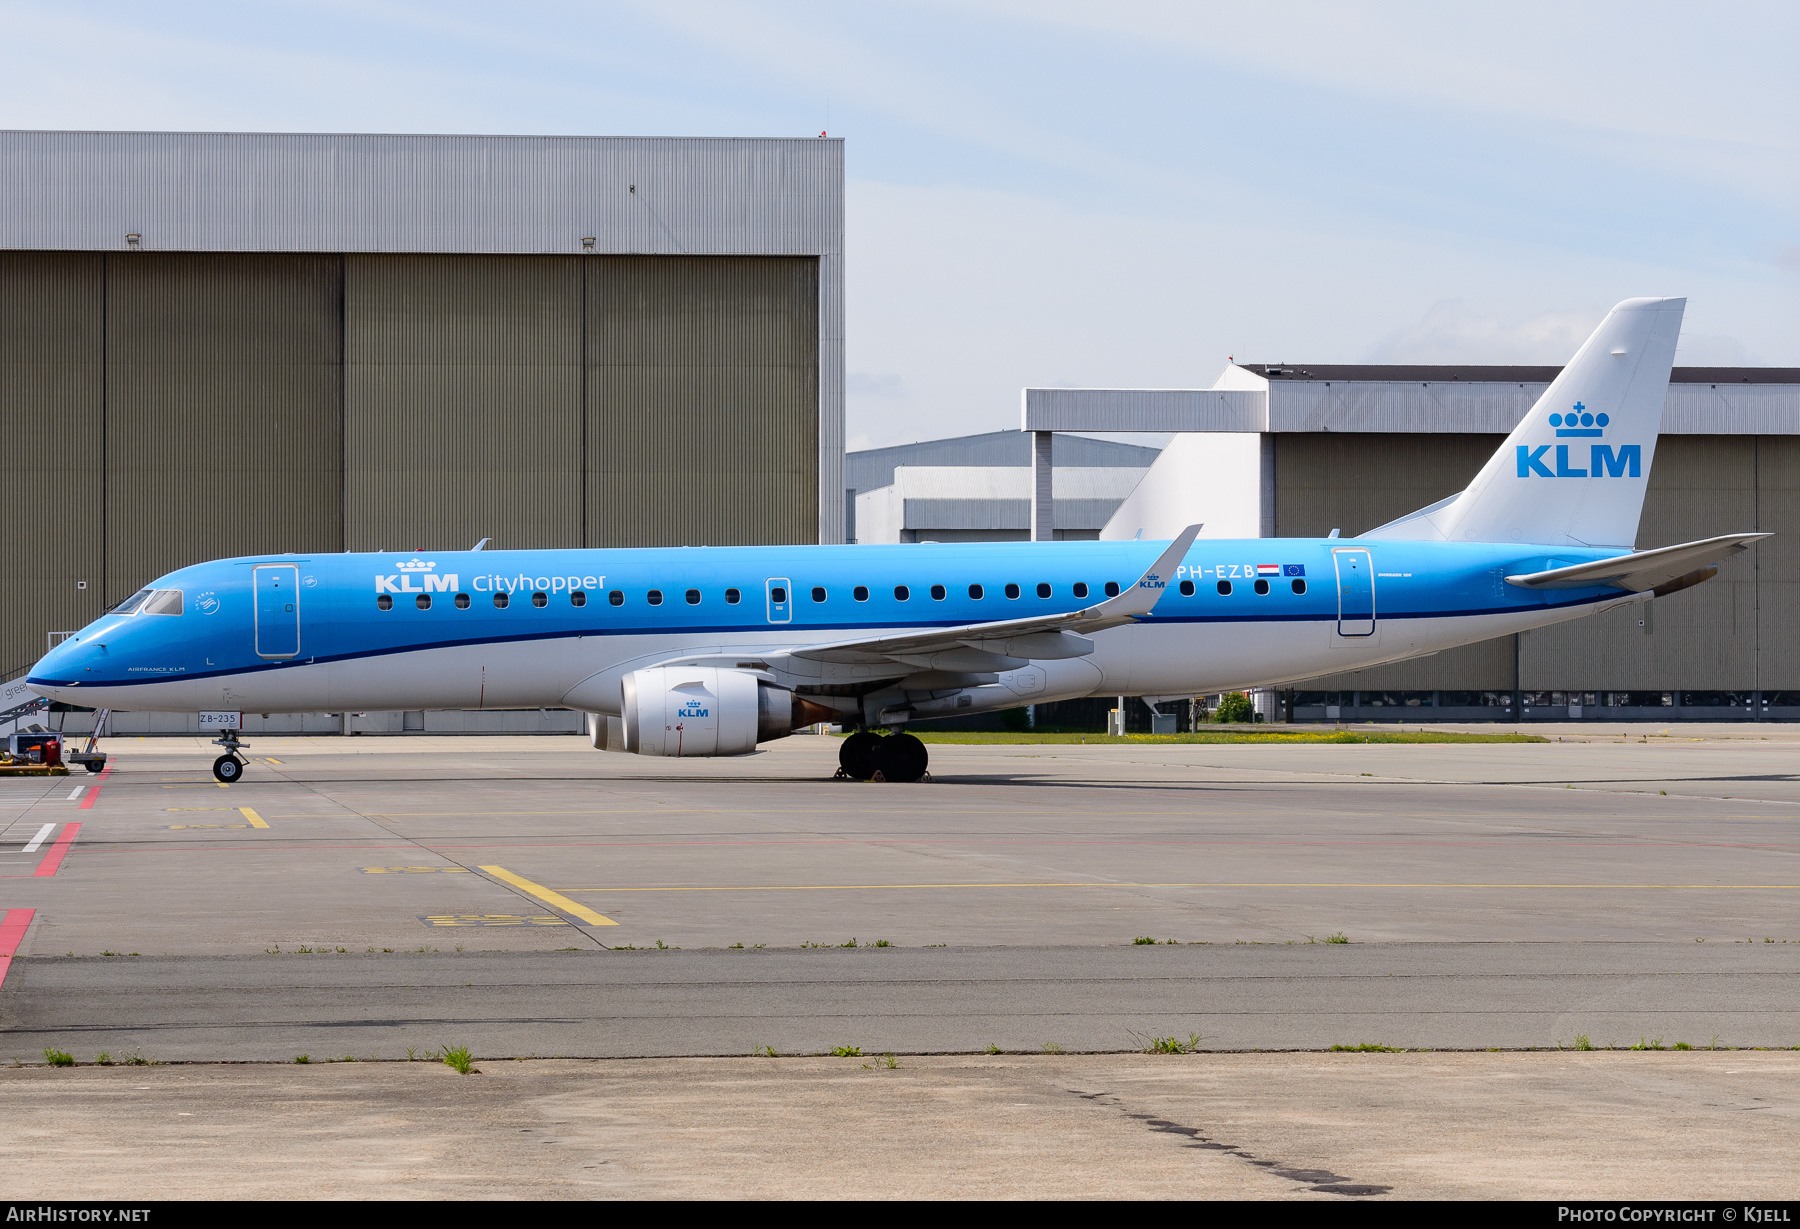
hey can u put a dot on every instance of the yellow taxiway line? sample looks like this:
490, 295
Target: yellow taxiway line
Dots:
555, 900
869, 887
256, 821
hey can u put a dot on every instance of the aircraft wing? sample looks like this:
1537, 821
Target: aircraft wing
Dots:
1011, 642
1656, 570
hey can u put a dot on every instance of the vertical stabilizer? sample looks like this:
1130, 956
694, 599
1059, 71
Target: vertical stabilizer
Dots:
1573, 473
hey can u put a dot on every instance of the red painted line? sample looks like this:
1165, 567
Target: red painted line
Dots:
53, 860
12, 933
92, 793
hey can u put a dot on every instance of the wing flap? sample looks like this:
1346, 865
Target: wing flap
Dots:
1641, 570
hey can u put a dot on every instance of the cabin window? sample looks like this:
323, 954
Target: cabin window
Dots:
1298, 586
1187, 588
1043, 589
1012, 591
500, 601
654, 597
540, 599
384, 602
164, 602
818, 593
860, 593
130, 604
938, 593
1112, 588
693, 597
975, 592
423, 601
778, 595
901, 593
1080, 589
1262, 588
577, 598
615, 598
733, 597
462, 601
1224, 588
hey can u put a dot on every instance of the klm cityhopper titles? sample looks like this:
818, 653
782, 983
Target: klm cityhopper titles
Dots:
711, 651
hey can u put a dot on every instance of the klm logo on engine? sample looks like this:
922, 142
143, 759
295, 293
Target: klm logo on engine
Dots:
1602, 460
691, 709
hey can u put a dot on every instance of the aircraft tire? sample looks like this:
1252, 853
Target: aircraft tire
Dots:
901, 757
228, 768
856, 754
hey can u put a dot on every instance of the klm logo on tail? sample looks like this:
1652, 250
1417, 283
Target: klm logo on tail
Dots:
1603, 461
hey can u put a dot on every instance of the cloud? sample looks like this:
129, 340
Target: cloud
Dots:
873, 384
1787, 257
1453, 332
1713, 350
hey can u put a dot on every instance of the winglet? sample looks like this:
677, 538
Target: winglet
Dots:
1142, 597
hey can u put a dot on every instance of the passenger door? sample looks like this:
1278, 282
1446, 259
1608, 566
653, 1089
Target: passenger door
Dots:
1356, 592
277, 587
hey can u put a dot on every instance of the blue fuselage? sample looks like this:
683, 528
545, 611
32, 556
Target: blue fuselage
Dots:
517, 628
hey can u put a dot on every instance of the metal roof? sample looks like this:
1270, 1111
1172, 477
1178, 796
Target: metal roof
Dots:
999, 497
874, 467
1454, 400
356, 192
1437, 373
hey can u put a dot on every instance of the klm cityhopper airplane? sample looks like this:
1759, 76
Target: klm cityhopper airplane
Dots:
708, 652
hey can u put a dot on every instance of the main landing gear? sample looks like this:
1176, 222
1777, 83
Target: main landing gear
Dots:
230, 766
867, 756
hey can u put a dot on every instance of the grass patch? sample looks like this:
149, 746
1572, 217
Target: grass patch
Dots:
846, 1051
1173, 1045
1021, 737
459, 1058
1367, 1047
58, 1058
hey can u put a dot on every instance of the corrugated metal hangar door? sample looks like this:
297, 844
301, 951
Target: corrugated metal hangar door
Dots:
159, 409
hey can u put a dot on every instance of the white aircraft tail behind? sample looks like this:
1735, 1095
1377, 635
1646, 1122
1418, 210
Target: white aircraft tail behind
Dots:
1573, 473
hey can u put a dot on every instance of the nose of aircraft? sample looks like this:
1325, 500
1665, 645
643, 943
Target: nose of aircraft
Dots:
59, 673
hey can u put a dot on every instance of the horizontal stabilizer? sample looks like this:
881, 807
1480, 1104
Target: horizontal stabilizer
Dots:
1641, 570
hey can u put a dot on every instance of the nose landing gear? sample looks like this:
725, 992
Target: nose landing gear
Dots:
897, 757
230, 766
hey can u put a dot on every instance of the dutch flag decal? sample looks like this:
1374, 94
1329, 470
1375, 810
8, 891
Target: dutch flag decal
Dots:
1268, 569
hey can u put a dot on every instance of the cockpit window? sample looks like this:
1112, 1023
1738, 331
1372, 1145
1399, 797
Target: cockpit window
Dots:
164, 602
131, 604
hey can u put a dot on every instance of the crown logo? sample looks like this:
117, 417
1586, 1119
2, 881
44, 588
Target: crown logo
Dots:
415, 565
1578, 422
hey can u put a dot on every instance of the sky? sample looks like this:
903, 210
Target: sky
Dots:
1114, 195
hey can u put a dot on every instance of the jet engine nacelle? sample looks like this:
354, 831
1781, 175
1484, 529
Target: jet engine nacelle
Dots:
705, 710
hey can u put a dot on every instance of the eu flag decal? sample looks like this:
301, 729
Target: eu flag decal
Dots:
1293, 569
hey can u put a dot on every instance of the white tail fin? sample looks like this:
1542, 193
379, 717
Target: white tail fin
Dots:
1573, 473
